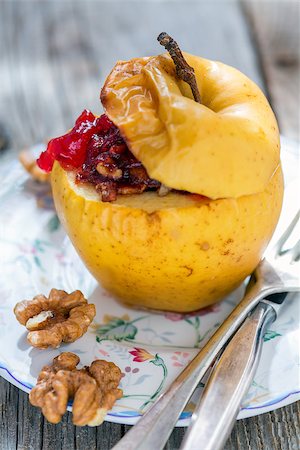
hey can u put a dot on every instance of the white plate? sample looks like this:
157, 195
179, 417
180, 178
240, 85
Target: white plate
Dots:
151, 349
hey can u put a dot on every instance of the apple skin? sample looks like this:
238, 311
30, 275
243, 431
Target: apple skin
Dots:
181, 252
227, 146
176, 253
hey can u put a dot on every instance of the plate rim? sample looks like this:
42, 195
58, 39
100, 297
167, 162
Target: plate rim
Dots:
245, 412
284, 399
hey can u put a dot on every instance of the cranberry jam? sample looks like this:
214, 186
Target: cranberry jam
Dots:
95, 149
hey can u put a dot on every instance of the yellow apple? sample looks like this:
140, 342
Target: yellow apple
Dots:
180, 252
177, 252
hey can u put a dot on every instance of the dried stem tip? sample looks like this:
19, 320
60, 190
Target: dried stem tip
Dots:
183, 69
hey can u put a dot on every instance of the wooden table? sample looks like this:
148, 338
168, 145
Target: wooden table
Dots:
54, 58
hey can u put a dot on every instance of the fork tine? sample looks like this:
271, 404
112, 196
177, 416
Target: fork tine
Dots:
295, 252
284, 237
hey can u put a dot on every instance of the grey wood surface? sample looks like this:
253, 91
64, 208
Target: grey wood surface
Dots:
276, 30
54, 57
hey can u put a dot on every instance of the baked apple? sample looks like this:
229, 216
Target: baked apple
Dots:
170, 197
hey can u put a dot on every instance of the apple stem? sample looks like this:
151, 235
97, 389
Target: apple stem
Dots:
184, 71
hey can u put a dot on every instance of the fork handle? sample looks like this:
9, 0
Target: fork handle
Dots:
219, 405
154, 428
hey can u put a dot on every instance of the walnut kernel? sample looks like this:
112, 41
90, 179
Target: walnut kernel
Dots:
94, 389
59, 318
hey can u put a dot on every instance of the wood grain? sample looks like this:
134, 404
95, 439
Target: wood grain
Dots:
22, 427
54, 57
276, 32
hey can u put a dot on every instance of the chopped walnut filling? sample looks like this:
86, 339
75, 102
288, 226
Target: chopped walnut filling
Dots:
59, 318
163, 190
111, 167
107, 172
94, 389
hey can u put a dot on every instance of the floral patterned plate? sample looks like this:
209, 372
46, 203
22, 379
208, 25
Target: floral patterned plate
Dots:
151, 349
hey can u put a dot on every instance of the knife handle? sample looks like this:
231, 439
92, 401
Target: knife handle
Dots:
219, 405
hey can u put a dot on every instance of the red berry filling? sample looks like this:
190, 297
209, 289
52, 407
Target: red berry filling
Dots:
99, 154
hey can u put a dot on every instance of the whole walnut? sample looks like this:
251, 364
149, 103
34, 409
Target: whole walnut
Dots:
93, 389
59, 318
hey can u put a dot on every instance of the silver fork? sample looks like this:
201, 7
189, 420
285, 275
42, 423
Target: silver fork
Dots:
229, 382
276, 275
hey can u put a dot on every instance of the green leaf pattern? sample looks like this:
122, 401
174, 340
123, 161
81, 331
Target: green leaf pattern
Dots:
270, 334
117, 329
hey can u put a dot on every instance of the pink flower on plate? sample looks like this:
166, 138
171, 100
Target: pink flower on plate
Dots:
27, 248
180, 359
61, 258
175, 317
201, 312
103, 352
141, 355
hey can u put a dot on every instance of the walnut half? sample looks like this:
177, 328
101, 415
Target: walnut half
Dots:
94, 389
59, 318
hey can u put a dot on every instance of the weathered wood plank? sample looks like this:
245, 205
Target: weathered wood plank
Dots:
29, 424
276, 31
8, 416
56, 55
204, 28
277, 430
